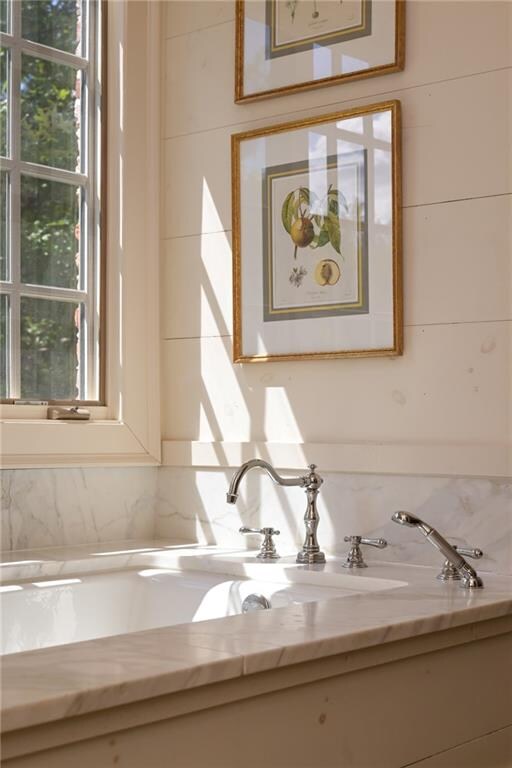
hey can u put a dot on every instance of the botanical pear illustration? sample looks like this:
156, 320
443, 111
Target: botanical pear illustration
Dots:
302, 232
312, 221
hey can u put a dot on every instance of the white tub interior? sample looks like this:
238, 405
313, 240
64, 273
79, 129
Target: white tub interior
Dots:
45, 613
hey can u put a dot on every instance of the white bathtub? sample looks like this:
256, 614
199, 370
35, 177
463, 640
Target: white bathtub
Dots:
45, 613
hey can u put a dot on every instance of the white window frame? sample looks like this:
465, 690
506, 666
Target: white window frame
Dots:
90, 151
126, 431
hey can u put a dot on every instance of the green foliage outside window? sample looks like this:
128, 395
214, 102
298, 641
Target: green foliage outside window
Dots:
48, 349
49, 125
4, 362
3, 15
51, 22
4, 305
3, 101
50, 210
49, 230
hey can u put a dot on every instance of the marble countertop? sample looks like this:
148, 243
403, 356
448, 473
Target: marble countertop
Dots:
53, 683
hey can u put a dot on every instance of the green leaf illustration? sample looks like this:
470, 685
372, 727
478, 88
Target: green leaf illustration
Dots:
332, 203
333, 227
335, 199
294, 203
287, 212
303, 199
304, 193
321, 239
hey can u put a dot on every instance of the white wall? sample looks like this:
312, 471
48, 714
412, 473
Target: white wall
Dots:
442, 408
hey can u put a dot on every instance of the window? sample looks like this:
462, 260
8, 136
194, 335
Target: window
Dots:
125, 428
50, 195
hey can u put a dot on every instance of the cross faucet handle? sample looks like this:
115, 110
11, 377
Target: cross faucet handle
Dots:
268, 549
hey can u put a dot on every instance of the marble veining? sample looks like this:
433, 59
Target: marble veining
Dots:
53, 683
474, 512
57, 507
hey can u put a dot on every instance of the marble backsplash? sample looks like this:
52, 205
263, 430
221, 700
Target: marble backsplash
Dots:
54, 507
475, 512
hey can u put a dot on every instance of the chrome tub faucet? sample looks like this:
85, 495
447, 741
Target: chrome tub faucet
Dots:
469, 577
311, 482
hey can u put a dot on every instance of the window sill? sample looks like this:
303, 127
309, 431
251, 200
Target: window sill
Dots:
45, 443
11, 412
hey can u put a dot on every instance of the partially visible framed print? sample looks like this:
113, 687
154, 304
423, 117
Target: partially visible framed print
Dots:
283, 46
317, 237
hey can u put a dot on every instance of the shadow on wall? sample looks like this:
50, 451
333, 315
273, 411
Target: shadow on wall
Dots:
302, 402
233, 402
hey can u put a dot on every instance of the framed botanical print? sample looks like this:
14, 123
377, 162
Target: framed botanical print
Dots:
317, 237
284, 46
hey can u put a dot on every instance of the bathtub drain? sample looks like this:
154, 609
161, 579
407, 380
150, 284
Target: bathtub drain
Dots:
255, 602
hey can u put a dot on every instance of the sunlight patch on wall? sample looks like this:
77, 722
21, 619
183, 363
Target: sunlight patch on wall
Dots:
291, 503
216, 286
280, 424
205, 431
222, 401
210, 219
225, 517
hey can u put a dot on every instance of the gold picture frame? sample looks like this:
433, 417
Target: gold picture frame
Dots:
285, 234
295, 51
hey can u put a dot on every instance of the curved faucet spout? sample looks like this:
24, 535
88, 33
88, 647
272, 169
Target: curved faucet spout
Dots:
310, 554
232, 494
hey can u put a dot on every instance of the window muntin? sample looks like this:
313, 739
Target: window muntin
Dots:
50, 107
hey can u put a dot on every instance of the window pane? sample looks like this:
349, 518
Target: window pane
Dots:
52, 22
4, 16
50, 113
50, 349
4, 99
4, 346
50, 232
4, 225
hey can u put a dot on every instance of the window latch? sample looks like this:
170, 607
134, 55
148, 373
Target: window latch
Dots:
73, 413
